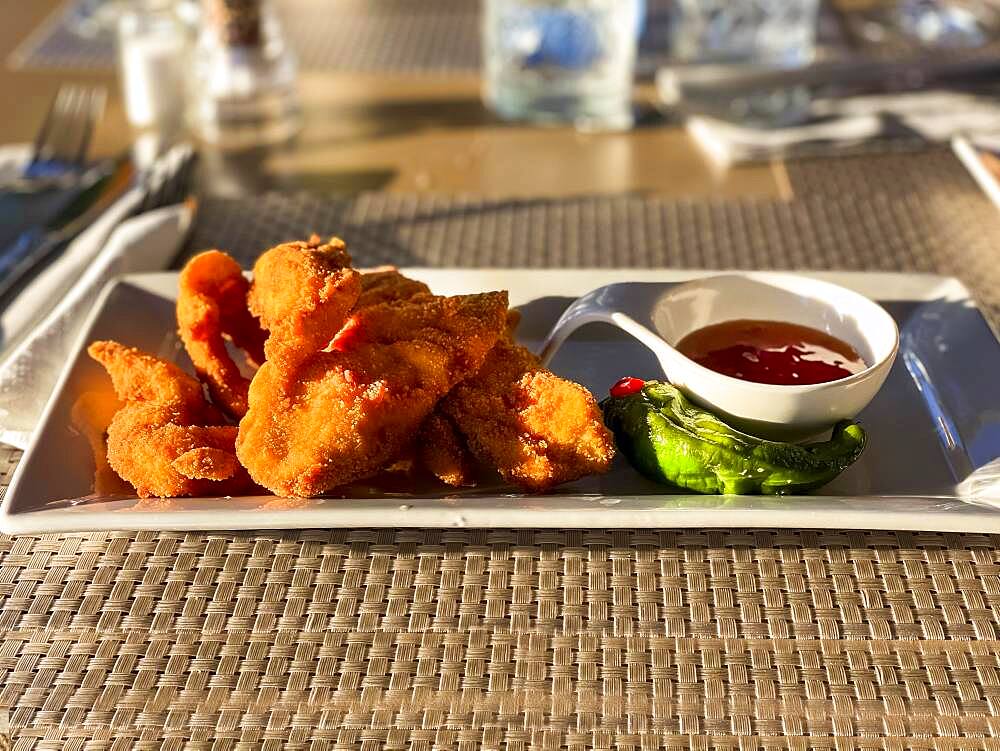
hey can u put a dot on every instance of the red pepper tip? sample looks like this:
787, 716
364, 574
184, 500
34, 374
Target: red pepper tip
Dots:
626, 386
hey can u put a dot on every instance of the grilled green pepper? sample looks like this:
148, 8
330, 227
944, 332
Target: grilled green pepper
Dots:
670, 440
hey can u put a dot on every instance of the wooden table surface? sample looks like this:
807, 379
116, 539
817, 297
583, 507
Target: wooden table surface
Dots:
415, 133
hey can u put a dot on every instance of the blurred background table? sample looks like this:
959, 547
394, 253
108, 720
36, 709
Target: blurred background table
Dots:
424, 131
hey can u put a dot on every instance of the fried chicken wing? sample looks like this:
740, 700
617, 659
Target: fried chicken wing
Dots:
319, 419
537, 429
166, 440
211, 308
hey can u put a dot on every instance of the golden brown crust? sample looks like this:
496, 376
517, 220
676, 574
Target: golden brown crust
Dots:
537, 429
388, 285
335, 401
212, 307
341, 415
302, 293
91, 415
443, 452
164, 419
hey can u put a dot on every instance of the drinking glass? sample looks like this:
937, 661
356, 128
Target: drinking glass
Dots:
561, 61
712, 38
96, 18
765, 32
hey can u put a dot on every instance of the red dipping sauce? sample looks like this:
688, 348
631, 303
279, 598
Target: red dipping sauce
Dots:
771, 352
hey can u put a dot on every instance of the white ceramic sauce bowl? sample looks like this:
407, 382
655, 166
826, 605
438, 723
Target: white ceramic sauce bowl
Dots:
660, 315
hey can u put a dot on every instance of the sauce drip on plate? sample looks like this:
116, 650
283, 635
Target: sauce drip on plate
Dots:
772, 352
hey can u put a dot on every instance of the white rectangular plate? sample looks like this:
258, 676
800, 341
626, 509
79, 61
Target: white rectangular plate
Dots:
935, 422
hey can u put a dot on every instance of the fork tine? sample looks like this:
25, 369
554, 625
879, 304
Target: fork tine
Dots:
42, 140
94, 110
67, 125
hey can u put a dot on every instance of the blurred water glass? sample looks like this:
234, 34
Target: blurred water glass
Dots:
153, 49
561, 61
947, 24
710, 36
95, 18
771, 32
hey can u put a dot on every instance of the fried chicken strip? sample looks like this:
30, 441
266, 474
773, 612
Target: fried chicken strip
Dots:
211, 308
438, 447
443, 452
388, 285
537, 429
343, 415
319, 419
166, 440
91, 415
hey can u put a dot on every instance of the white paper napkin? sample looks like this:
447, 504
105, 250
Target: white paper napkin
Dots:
28, 372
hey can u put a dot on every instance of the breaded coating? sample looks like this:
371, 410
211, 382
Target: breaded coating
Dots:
166, 440
302, 293
211, 308
537, 429
388, 285
442, 451
332, 417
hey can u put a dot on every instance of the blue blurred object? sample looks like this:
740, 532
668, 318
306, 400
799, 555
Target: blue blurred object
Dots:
943, 24
562, 61
565, 38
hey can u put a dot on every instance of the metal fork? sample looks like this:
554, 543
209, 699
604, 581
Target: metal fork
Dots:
63, 140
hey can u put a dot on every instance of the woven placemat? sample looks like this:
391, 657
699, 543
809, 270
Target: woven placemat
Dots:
532, 639
906, 211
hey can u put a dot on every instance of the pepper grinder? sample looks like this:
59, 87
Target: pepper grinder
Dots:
244, 90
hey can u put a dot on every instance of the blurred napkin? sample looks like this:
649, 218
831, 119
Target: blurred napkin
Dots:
28, 373
934, 116
13, 159
983, 485
39, 295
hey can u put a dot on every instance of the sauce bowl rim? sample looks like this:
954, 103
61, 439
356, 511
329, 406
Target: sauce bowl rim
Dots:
858, 377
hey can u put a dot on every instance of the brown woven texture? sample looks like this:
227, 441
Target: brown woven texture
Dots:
536, 639
501, 639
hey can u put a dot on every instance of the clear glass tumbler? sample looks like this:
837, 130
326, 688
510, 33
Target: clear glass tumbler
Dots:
764, 32
153, 49
561, 61
711, 39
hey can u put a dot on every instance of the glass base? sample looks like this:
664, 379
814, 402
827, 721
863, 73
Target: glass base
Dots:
589, 114
264, 120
